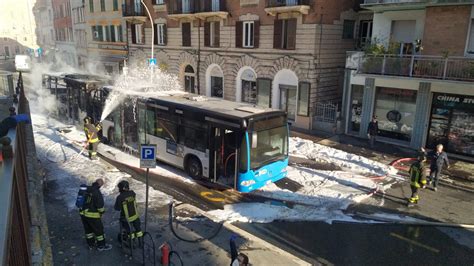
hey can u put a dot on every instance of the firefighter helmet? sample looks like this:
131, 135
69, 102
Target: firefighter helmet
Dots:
123, 185
87, 120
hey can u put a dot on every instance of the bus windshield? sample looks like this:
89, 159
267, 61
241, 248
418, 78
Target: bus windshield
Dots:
267, 144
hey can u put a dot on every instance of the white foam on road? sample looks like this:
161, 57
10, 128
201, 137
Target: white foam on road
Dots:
69, 171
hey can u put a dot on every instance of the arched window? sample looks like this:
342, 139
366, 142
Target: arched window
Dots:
189, 79
217, 82
249, 86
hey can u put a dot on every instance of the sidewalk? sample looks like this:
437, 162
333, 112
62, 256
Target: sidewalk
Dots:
460, 174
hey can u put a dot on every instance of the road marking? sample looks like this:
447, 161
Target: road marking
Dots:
415, 243
209, 196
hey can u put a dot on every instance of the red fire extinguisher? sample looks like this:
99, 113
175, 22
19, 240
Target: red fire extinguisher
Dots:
165, 254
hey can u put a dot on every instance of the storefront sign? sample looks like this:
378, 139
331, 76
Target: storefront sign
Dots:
451, 100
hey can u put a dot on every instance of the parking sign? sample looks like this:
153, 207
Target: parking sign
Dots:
147, 156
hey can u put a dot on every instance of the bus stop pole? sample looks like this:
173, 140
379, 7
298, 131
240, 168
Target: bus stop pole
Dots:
146, 197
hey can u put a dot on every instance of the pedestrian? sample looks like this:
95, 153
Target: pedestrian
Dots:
438, 158
372, 131
417, 178
12, 111
237, 259
92, 135
91, 216
127, 205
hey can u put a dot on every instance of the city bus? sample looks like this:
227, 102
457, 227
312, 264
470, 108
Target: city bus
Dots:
236, 144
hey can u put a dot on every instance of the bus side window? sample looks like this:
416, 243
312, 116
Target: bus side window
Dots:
167, 130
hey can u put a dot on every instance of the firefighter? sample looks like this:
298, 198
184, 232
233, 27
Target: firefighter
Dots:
127, 205
417, 178
92, 135
91, 214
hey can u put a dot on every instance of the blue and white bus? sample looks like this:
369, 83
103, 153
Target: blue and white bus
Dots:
236, 144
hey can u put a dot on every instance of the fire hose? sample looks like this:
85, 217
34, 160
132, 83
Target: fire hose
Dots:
172, 218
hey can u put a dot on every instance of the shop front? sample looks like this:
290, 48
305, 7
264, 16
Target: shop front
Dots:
395, 110
452, 123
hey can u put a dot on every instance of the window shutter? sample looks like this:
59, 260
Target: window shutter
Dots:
291, 38
207, 5
239, 26
217, 33
186, 32
277, 28
179, 7
207, 34
256, 33
155, 38
165, 34
134, 33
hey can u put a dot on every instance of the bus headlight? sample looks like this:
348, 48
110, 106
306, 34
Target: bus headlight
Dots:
247, 183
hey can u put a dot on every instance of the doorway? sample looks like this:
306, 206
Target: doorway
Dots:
288, 100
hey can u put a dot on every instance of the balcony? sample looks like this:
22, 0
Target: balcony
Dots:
274, 7
179, 9
398, 5
415, 66
133, 12
212, 8
197, 9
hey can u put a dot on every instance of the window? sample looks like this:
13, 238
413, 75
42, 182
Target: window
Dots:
348, 29
7, 51
403, 32
355, 114
166, 129
119, 33
107, 33
365, 32
159, 2
91, 6
303, 98
284, 34
193, 135
97, 33
470, 45
113, 33
137, 33
395, 109
115, 5
150, 121
211, 34
160, 34
248, 34
102, 5
216, 87
249, 87
186, 34
264, 87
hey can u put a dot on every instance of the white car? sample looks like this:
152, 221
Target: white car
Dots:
22, 63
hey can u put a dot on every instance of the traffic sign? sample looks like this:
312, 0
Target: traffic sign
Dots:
147, 156
152, 61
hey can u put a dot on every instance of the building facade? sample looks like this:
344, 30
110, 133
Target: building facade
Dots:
285, 54
17, 28
79, 28
417, 77
64, 34
106, 38
43, 13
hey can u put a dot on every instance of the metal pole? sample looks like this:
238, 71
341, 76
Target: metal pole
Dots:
152, 39
146, 198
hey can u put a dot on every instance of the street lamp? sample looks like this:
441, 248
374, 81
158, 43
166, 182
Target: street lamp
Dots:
152, 39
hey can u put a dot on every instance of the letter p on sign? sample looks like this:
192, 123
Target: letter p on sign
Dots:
147, 156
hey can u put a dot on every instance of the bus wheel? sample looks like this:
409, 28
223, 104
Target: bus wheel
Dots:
110, 136
193, 167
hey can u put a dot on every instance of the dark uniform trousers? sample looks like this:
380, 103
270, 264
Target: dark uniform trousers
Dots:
137, 232
94, 230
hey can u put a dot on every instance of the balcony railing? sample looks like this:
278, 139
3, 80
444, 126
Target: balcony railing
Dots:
417, 66
280, 3
179, 7
394, 1
133, 9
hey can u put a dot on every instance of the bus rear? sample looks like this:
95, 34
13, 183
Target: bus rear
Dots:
264, 153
